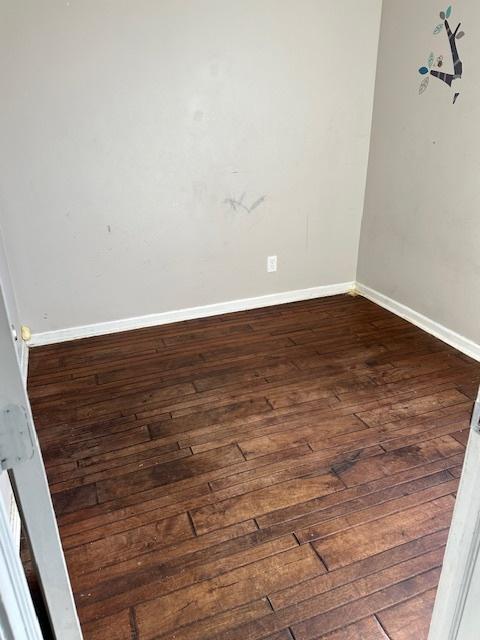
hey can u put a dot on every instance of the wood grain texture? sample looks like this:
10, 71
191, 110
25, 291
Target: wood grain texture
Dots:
280, 473
417, 611
368, 629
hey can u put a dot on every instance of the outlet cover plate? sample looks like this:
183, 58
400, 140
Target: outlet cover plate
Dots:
271, 264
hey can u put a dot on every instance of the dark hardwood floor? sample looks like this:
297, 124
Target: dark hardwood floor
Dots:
282, 473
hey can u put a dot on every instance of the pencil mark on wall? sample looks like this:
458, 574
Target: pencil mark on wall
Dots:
435, 64
240, 204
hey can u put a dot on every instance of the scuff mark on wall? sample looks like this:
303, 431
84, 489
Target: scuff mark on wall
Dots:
240, 204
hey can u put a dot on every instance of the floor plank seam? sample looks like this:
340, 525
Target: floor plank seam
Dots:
192, 524
267, 598
381, 626
318, 554
133, 624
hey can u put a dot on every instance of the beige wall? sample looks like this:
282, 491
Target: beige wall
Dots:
420, 241
126, 125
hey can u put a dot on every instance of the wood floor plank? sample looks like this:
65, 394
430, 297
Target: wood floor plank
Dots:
133, 401
372, 564
399, 410
209, 417
110, 550
284, 439
308, 391
309, 629
257, 503
282, 635
349, 603
368, 629
410, 618
377, 512
405, 428
75, 498
214, 381
116, 627
399, 460
361, 496
83, 450
220, 623
228, 591
287, 460
361, 541
115, 595
62, 479
167, 473
123, 519
181, 554
286, 473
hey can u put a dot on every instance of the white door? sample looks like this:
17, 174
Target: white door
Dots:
456, 615
20, 455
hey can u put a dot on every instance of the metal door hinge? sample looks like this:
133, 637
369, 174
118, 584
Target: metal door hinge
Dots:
16, 441
476, 417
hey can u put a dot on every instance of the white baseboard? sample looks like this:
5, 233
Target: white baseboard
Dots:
167, 317
24, 362
452, 338
466, 346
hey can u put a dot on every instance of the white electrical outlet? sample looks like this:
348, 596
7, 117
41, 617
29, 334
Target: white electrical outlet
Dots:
271, 264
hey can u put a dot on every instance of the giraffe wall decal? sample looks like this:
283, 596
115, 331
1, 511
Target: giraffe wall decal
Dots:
435, 65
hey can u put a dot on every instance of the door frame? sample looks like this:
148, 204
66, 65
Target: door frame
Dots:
22, 355
18, 620
463, 547
21, 456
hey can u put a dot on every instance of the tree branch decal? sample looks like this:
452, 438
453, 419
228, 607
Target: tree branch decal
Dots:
447, 78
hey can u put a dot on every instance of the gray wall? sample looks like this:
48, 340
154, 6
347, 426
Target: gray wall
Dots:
420, 240
126, 125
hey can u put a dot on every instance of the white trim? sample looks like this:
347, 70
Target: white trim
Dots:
17, 615
452, 338
24, 362
14, 515
167, 317
466, 346
15, 522
33, 497
463, 549
8, 500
